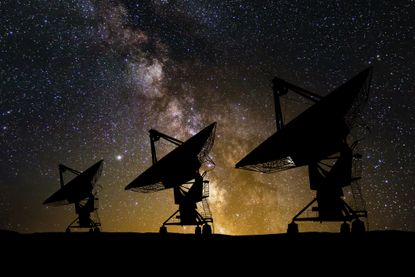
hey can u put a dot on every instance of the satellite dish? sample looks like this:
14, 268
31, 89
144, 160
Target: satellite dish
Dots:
80, 192
177, 170
316, 133
317, 138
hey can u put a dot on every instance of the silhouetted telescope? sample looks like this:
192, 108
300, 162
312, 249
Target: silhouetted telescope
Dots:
177, 170
317, 138
80, 192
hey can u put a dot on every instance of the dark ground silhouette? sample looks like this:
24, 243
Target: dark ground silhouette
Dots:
319, 252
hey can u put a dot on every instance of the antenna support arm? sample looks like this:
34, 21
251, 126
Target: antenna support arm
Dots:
155, 136
62, 169
280, 87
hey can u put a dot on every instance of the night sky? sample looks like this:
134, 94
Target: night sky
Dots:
83, 80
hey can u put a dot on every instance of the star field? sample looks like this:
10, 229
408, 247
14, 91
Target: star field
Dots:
83, 80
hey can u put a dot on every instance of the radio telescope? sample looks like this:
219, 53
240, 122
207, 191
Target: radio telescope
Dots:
180, 170
319, 138
81, 192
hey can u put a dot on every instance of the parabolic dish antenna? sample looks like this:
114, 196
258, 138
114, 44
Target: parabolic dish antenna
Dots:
80, 192
318, 138
179, 170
